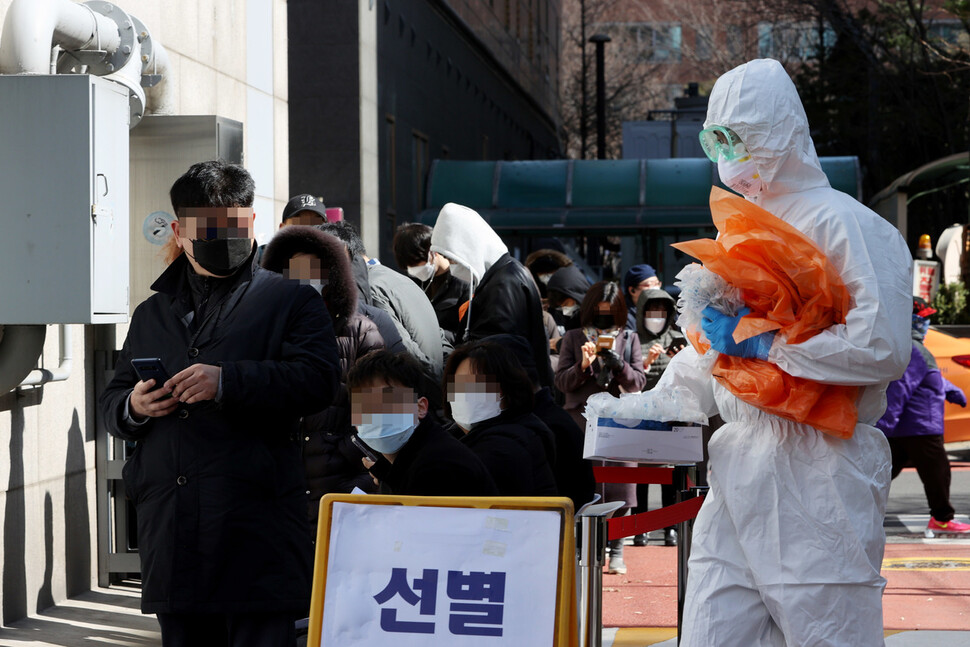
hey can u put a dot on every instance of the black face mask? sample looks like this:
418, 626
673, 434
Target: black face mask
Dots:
604, 322
222, 256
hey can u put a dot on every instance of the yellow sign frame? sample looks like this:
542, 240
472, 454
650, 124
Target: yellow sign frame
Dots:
566, 633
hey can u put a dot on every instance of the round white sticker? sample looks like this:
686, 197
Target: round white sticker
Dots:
158, 227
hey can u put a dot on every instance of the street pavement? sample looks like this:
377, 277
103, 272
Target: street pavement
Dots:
927, 599
928, 580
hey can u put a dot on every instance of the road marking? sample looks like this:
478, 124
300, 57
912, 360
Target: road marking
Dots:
926, 564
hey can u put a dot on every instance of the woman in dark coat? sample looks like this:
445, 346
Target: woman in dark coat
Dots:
330, 459
489, 397
587, 366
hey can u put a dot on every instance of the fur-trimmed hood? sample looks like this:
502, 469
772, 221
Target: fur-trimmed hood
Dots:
341, 293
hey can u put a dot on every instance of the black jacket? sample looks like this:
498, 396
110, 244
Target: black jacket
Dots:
574, 474
330, 459
218, 486
516, 450
433, 463
447, 293
507, 301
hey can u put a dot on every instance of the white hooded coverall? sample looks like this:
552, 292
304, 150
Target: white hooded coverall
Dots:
788, 545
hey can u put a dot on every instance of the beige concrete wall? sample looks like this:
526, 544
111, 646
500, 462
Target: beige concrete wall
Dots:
228, 58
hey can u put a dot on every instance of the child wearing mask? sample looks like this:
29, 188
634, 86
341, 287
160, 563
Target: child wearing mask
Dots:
601, 355
913, 423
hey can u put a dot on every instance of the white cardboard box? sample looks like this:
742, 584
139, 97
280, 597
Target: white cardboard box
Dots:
643, 441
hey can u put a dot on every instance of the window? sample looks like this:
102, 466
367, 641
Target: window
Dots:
419, 168
792, 41
390, 158
657, 42
948, 34
703, 42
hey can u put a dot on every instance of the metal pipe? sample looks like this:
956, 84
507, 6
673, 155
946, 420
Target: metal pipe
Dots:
31, 26
591, 545
601, 40
64, 365
20, 346
160, 96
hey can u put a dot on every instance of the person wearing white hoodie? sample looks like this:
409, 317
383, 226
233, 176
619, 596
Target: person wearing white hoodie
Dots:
503, 296
788, 544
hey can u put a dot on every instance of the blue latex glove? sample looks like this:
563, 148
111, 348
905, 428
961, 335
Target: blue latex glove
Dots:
719, 329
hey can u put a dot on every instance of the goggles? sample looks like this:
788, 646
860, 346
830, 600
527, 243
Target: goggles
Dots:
719, 142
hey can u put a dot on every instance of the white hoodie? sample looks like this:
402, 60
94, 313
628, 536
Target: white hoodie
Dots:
463, 236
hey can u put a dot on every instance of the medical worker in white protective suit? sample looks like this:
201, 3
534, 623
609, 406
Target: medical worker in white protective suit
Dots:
788, 545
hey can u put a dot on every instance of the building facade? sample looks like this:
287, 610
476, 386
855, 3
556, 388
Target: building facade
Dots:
227, 58
401, 83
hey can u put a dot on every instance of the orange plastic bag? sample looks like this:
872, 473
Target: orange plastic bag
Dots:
791, 287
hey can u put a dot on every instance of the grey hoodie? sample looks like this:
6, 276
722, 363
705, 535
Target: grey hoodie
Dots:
669, 336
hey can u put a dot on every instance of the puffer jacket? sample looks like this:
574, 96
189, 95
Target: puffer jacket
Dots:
667, 337
914, 402
331, 461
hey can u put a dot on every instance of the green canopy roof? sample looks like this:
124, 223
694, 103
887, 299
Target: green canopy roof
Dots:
583, 195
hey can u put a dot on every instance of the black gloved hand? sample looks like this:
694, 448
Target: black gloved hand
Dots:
611, 360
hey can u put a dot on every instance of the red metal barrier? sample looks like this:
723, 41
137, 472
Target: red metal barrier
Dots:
654, 475
620, 527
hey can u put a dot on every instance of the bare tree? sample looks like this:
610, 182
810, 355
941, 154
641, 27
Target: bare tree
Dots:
631, 85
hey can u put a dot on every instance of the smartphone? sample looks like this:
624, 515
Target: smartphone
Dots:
676, 347
605, 342
151, 368
364, 449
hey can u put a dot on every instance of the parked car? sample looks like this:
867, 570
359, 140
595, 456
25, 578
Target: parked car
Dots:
952, 354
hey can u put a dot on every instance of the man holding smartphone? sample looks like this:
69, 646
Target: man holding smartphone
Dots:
216, 476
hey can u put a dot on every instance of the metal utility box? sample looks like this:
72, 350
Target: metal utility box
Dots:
63, 200
162, 148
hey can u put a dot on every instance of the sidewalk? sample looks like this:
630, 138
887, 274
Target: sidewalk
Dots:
927, 599
99, 617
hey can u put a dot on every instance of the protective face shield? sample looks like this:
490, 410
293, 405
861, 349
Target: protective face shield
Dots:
222, 237
387, 432
734, 165
424, 272
467, 408
720, 143
655, 324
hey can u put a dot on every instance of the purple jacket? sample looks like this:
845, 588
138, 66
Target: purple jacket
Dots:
915, 401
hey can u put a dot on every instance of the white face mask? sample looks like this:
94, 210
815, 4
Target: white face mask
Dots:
422, 272
470, 408
544, 278
569, 311
655, 324
741, 176
387, 432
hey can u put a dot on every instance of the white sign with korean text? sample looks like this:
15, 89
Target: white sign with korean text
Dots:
426, 576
